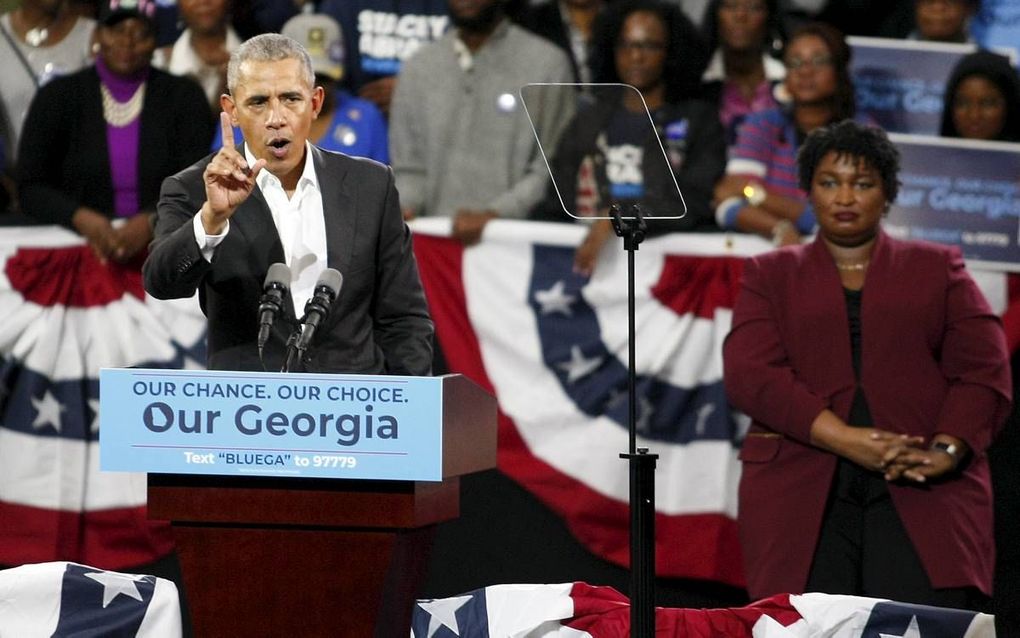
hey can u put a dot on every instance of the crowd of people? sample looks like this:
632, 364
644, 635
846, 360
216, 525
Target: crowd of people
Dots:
101, 103
451, 122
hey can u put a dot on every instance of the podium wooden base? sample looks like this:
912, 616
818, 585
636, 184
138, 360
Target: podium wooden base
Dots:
300, 557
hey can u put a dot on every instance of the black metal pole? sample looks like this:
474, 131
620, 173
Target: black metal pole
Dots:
642, 464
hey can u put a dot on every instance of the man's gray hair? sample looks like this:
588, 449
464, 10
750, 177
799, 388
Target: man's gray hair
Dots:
268, 47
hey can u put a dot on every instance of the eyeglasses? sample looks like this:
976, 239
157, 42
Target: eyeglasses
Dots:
642, 46
984, 103
816, 62
736, 5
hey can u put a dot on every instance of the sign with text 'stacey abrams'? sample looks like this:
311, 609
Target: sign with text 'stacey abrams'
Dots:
266, 424
960, 192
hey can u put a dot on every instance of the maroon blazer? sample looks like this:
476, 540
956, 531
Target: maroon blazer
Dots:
934, 359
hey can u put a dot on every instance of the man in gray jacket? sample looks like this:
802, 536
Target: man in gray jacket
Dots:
460, 141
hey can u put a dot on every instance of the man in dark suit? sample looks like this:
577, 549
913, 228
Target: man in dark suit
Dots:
275, 198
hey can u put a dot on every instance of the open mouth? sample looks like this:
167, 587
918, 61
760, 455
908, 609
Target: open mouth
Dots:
278, 147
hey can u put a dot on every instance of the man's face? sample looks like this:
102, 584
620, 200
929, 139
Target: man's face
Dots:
274, 104
942, 20
474, 15
203, 16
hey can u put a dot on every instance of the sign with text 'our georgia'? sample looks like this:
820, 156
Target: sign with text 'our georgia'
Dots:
960, 192
269, 424
899, 84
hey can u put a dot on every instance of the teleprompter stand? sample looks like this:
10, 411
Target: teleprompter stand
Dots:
642, 464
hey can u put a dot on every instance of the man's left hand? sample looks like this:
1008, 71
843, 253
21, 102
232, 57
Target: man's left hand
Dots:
469, 224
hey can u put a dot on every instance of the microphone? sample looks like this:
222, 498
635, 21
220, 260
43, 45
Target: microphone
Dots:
271, 304
326, 290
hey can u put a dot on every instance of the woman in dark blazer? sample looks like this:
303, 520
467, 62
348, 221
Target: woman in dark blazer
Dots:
876, 377
97, 144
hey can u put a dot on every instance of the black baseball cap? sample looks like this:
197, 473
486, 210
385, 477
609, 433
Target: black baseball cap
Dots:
112, 12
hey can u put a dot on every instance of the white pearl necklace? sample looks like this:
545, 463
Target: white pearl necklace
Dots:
37, 36
120, 114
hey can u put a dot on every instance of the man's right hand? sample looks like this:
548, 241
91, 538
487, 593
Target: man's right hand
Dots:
228, 181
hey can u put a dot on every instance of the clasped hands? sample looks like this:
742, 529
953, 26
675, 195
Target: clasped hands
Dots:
120, 242
897, 456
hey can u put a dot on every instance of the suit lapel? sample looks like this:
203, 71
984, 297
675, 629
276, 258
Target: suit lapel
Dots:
337, 209
339, 214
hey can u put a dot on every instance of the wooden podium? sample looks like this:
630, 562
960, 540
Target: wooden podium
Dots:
265, 556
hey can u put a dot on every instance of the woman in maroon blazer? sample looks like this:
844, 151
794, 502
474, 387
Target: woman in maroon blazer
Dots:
876, 376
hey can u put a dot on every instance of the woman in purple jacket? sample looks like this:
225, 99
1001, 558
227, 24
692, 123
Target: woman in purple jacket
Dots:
876, 377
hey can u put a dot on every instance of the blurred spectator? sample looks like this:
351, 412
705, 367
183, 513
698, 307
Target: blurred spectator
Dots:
460, 140
684, 64
982, 99
97, 144
613, 142
741, 74
248, 18
380, 35
760, 192
569, 25
346, 123
38, 41
944, 20
254, 17
203, 49
875, 18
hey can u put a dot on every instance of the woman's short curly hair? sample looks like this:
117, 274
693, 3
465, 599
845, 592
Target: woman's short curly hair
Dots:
857, 141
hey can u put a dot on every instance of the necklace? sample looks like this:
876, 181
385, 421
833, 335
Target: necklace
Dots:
37, 36
120, 114
852, 267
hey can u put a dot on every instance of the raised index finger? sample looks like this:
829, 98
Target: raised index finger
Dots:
227, 130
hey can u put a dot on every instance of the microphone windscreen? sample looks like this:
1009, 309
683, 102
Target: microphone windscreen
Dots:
331, 279
278, 274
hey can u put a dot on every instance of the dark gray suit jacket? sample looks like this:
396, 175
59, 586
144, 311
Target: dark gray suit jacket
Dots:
378, 324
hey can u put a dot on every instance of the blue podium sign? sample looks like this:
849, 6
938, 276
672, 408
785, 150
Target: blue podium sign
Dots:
960, 192
265, 424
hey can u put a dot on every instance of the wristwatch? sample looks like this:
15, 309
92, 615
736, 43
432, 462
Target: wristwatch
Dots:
754, 193
951, 449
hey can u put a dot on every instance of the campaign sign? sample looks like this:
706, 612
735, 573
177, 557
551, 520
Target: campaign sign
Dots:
997, 24
900, 83
960, 192
266, 424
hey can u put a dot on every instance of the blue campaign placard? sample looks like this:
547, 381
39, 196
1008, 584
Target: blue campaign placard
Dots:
900, 83
267, 424
960, 192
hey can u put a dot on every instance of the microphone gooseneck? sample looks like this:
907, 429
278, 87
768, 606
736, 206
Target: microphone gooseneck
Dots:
274, 289
316, 310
